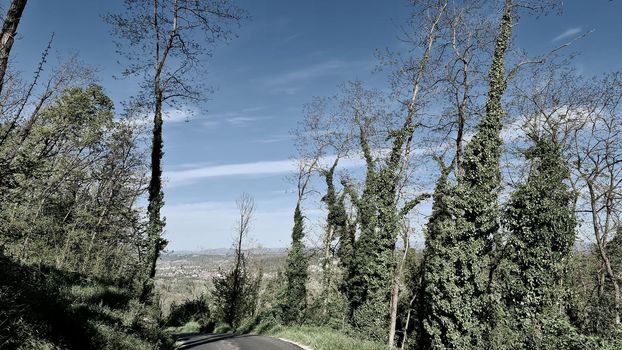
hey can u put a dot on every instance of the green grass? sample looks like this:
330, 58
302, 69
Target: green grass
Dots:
188, 327
321, 338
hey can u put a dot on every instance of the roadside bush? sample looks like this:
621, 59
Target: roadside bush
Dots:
192, 310
223, 328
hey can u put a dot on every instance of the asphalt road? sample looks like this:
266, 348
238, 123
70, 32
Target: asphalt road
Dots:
232, 342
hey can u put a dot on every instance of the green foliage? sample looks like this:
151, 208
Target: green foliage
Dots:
370, 260
192, 310
442, 281
190, 327
235, 294
366, 273
549, 332
43, 307
590, 304
346, 254
75, 205
294, 297
371, 318
70, 228
464, 226
328, 306
541, 226
223, 328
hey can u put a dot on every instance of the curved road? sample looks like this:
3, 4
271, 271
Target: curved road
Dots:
231, 342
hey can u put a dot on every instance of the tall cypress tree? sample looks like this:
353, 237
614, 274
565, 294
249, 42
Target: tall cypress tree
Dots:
541, 226
295, 296
458, 254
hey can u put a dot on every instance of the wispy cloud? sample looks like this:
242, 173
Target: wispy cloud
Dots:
305, 73
237, 118
290, 82
242, 121
568, 33
273, 167
274, 138
199, 225
181, 177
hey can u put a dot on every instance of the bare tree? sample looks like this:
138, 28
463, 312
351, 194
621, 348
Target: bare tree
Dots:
236, 290
598, 164
246, 207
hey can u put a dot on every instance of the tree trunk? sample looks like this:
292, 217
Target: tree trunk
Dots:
407, 323
7, 37
395, 292
601, 241
614, 281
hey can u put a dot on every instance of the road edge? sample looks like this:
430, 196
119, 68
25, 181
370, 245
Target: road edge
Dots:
304, 347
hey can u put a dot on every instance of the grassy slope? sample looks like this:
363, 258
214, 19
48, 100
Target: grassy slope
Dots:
45, 308
322, 338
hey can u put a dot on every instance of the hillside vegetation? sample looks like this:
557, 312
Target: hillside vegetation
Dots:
47, 308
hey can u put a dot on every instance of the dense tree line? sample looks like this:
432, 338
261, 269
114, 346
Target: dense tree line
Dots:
506, 263
73, 198
77, 251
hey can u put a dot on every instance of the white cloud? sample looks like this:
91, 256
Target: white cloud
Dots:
180, 177
177, 115
568, 33
274, 138
306, 73
289, 82
513, 131
273, 167
236, 118
242, 121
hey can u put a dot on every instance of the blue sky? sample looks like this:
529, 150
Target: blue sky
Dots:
287, 53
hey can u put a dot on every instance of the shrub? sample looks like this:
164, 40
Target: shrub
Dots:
192, 310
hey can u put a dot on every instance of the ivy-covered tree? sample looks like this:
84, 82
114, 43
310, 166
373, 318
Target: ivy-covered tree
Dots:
378, 210
166, 41
295, 295
457, 309
541, 227
440, 281
335, 221
346, 251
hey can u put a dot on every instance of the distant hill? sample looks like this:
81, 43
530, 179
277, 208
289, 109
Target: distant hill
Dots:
223, 251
